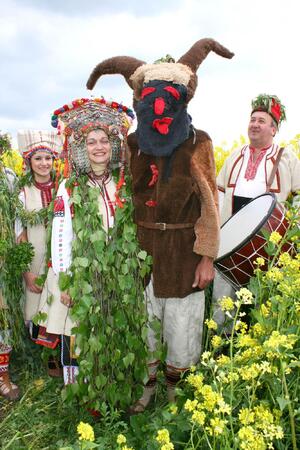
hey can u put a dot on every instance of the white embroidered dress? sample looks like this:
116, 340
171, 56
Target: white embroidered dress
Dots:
58, 319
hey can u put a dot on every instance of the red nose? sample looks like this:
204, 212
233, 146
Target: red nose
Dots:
159, 105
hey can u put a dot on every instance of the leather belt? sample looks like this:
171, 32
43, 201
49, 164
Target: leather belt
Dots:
165, 226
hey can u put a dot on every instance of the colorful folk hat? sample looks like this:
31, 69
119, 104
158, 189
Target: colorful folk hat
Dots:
31, 141
270, 104
76, 119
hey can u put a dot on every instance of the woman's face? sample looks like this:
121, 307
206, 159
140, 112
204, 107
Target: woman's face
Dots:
98, 147
41, 164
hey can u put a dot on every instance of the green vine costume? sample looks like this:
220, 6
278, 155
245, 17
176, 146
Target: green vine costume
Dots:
97, 260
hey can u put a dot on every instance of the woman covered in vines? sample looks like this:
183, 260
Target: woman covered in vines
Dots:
82, 299
39, 150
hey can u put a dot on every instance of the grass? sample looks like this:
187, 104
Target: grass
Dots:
41, 420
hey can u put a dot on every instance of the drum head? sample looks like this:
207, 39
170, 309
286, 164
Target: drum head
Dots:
245, 223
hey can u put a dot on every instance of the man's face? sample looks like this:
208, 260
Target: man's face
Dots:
261, 129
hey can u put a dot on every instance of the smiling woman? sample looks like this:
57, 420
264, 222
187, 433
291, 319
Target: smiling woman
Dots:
98, 149
39, 149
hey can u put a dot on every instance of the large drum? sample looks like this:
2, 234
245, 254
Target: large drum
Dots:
242, 241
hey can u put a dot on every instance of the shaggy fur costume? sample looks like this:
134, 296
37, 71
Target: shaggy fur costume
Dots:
189, 196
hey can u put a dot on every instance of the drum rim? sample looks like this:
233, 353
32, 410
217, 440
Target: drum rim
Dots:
239, 246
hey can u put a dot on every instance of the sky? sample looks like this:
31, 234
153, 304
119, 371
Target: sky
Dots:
48, 49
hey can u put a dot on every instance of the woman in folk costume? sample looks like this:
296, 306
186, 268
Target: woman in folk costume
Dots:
74, 297
39, 150
175, 199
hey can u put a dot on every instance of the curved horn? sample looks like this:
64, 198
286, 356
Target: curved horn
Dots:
124, 65
199, 51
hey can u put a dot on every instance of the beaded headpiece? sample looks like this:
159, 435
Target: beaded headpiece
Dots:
31, 141
77, 119
270, 104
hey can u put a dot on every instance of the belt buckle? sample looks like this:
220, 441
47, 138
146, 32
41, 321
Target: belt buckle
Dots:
162, 226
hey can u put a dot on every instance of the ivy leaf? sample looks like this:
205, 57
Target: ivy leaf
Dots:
128, 359
142, 255
81, 262
64, 281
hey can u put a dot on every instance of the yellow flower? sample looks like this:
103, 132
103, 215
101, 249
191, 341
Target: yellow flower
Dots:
259, 261
198, 417
211, 324
224, 408
195, 380
13, 160
275, 237
240, 326
249, 372
217, 426
86, 432
39, 383
265, 309
167, 446
205, 356
245, 340
173, 409
223, 360
210, 397
274, 274
226, 303
245, 296
190, 405
121, 439
216, 341
246, 416
277, 340
250, 439
257, 329
163, 436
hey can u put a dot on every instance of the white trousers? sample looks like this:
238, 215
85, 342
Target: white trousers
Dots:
181, 326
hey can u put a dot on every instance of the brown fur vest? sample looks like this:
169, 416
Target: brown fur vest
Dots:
188, 196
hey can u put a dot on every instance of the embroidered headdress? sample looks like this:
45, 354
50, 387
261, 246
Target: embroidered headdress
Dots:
31, 141
76, 119
270, 104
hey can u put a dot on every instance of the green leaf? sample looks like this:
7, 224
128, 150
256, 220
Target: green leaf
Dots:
142, 255
83, 262
128, 359
282, 402
64, 281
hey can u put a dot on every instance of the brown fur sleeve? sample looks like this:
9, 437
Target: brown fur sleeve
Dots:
207, 227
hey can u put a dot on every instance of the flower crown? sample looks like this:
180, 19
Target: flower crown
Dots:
270, 104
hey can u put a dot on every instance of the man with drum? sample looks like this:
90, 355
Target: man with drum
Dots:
255, 169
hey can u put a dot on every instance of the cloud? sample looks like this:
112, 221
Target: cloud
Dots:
80, 8
48, 49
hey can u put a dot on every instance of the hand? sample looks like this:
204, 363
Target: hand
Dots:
204, 273
66, 299
30, 278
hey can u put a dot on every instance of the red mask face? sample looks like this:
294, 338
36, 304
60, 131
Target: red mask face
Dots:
163, 122
161, 104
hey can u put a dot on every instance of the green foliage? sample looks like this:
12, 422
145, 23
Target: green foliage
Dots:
5, 144
106, 285
14, 259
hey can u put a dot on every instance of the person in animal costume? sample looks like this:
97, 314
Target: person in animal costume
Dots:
175, 198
